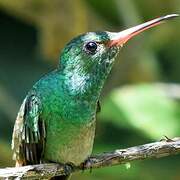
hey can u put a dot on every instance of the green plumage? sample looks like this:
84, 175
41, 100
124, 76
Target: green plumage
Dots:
56, 121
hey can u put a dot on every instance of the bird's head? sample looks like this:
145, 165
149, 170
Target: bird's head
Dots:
91, 55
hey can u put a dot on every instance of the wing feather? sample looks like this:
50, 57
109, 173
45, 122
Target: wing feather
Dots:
29, 132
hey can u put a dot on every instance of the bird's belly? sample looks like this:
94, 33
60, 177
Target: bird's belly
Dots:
70, 143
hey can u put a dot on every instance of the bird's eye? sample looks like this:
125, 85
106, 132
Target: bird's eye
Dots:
91, 47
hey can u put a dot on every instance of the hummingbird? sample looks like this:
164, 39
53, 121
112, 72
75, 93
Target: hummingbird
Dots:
56, 121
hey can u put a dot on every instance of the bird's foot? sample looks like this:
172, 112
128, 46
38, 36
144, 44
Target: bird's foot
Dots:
87, 164
167, 139
68, 168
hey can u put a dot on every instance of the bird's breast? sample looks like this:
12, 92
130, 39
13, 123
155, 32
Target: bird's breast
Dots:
70, 142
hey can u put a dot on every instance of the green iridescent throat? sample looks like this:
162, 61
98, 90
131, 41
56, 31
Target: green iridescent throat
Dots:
85, 74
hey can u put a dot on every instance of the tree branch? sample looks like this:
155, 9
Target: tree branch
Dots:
165, 147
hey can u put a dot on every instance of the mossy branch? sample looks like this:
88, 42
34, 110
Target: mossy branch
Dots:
165, 147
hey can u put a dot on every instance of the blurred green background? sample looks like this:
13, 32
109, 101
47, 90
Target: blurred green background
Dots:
140, 101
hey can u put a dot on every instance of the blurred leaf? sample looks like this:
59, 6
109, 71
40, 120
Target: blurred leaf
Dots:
144, 107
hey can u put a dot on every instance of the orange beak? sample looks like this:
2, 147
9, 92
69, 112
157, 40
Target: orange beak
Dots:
120, 38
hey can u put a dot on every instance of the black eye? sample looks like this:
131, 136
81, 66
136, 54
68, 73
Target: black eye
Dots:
91, 47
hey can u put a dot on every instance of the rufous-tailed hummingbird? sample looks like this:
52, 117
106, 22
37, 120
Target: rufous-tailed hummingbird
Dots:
56, 121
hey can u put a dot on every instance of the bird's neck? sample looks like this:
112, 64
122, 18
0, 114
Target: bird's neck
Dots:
85, 86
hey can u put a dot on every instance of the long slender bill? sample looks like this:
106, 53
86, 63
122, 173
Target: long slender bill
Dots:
120, 38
